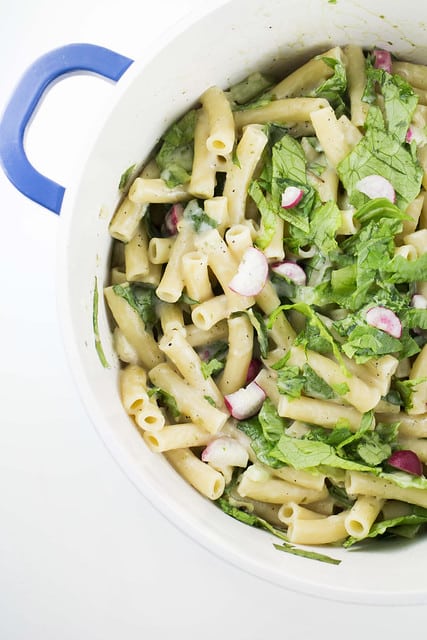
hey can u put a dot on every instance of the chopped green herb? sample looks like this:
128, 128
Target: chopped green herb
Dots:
124, 178
304, 553
98, 345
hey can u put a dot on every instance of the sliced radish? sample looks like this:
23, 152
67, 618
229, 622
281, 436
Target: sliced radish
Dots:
419, 301
172, 218
382, 60
376, 186
384, 319
406, 460
291, 196
290, 270
245, 402
253, 370
252, 273
225, 451
417, 135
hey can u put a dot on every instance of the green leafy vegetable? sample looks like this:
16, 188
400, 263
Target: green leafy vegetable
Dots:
418, 516
401, 270
124, 178
268, 215
212, 367
315, 321
198, 218
293, 380
304, 553
306, 454
175, 157
98, 344
249, 89
381, 153
272, 424
249, 518
334, 88
260, 327
141, 298
399, 97
167, 400
405, 388
264, 431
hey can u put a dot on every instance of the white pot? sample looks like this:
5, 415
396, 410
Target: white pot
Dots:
220, 48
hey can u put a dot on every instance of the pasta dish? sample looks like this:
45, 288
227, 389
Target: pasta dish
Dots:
269, 296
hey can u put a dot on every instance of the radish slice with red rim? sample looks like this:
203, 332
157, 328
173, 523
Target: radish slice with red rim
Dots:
290, 270
406, 460
245, 402
172, 218
375, 186
384, 319
253, 370
382, 60
291, 197
252, 273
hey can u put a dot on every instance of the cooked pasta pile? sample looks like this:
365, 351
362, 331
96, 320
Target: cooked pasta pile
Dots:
269, 292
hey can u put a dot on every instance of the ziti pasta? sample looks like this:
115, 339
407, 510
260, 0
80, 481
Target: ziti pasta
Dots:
270, 298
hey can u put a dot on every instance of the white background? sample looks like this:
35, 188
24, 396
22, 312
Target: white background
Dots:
82, 554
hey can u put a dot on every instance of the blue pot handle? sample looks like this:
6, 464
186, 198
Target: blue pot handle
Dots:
27, 95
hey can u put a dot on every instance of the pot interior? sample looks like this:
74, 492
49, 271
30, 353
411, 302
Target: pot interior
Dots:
220, 48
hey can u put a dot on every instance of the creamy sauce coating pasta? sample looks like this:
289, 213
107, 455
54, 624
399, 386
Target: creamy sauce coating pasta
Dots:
270, 298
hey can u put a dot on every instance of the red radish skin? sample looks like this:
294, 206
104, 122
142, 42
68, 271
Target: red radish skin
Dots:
384, 319
406, 460
291, 197
252, 273
290, 270
419, 301
246, 401
225, 451
172, 219
375, 186
382, 60
417, 135
253, 370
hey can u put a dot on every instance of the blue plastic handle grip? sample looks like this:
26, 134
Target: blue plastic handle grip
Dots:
25, 98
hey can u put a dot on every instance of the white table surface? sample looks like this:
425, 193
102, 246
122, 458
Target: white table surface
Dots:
83, 555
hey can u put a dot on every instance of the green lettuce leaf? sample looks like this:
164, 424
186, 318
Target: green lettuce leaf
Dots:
399, 100
418, 516
141, 298
306, 454
175, 157
261, 445
334, 88
167, 400
381, 153
268, 215
250, 89
212, 367
272, 424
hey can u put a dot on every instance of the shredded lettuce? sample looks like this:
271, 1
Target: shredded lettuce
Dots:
175, 156
251, 91
418, 516
307, 454
142, 298
334, 88
399, 99
167, 400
